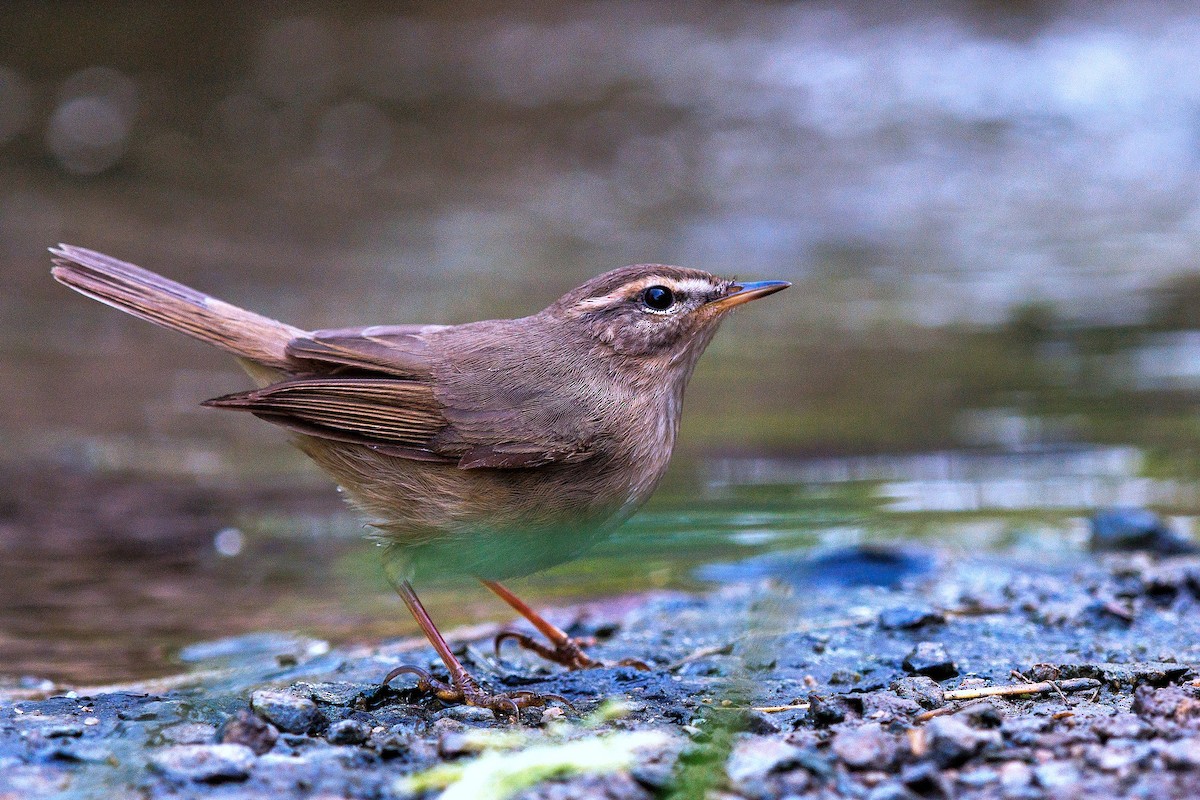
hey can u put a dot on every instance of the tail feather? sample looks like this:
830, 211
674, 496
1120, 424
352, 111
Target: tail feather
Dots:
172, 305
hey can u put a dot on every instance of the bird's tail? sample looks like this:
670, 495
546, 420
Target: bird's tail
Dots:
151, 297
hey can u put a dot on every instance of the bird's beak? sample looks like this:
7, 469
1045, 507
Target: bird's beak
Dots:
744, 292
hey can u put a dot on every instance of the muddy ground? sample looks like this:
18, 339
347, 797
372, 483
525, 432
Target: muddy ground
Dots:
781, 687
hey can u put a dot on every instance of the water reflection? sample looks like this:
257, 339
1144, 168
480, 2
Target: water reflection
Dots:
1061, 478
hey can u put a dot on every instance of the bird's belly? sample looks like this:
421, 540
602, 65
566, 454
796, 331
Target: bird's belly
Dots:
495, 523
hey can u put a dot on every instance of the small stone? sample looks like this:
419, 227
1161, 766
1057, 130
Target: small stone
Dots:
1118, 755
1057, 775
1183, 754
286, 711
338, 694
469, 714
1015, 775
1122, 726
865, 746
909, 617
348, 731
393, 742
62, 730
892, 790
884, 707
205, 763
932, 660
1125, 529
188, 733
924, 691
827, 710
82, 752
455, 744
246, 729
757, 756
552, 714
952, 741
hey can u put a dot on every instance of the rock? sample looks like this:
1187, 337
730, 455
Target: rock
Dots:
1056, 775
865, 746
952, 741
188, 733
1122, 726
205, 763
339, 694
1175, 702
286, 711
926, 780
924, 691
1124, 529
932, 660
892, 790
469, 714
754, 757
827, 710
888, 707
909, 617
1183, 753
348, 731
245, 728
1015, 775
1118, 755
393, 742
455, 744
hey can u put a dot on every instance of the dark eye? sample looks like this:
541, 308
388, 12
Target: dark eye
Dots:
658, 298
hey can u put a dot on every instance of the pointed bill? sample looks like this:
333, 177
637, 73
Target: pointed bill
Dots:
745, 291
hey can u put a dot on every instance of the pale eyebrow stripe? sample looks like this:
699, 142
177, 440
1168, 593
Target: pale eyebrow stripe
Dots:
686, 286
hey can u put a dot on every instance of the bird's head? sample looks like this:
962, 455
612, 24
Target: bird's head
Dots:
654, 310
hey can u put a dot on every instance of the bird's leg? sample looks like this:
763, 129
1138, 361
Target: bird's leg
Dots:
566, 650
462, 688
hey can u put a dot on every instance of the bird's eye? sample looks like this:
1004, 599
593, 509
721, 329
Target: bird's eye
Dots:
658, 298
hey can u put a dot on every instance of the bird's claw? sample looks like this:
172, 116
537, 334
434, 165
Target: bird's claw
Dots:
568, 652
465, 690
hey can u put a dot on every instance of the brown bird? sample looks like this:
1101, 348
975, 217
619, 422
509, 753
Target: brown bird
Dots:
491, 449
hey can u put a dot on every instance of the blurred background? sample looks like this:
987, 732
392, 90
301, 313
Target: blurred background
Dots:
990, 212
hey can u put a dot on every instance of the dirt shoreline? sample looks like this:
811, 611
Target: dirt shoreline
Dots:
757, 692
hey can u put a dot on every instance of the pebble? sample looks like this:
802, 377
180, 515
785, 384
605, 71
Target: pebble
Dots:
348, 731
470, 714
909, 617
952, 741
286, 711
205, 763
924, 691
756, 756
932, 660
1015, 775
1183, 753
254, 732
1056, 775
865, 746
188, 733
1126, 529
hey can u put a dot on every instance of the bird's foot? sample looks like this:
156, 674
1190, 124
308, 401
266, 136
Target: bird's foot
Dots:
567, 651
465, 690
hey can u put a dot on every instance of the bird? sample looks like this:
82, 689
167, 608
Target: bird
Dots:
489, 449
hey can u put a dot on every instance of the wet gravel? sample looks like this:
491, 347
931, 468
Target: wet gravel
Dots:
760, 690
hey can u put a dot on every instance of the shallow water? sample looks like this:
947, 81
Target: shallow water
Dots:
124, 574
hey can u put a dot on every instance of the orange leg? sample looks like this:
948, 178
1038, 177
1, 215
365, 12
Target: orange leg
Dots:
462, 688
565, 650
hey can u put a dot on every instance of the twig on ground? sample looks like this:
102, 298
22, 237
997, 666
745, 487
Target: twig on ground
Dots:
1072, 685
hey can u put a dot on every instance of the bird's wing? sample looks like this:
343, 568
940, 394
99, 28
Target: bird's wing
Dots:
398, 417
385, 388
400, 350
